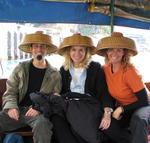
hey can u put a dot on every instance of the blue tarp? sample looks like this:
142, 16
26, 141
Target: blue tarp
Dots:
36, 11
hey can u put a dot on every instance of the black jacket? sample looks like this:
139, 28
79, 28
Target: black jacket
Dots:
95, 83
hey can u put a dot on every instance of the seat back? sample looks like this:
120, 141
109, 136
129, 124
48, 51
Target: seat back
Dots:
2, 89
148, 85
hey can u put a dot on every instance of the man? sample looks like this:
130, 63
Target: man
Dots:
30, 76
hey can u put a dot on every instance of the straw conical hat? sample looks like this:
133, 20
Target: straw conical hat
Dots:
116, 40
37, 38
76, 40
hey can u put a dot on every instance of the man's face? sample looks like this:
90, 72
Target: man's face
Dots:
38, 49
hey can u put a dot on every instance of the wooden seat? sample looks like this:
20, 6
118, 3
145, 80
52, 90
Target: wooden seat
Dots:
2, 90
27, 130
148, 85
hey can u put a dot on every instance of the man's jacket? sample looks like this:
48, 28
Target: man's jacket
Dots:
17, 84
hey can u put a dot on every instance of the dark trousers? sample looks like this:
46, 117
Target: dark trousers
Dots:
62, 131
117, 134
41, 126
139, 125
64, 134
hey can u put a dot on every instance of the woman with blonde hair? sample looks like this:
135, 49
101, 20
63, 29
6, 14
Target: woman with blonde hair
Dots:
84, 89
124, 83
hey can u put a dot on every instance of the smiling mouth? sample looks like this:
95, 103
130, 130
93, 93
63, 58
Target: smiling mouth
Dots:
114, 58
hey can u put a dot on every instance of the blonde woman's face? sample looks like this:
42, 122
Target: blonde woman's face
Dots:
115, 55
77, 54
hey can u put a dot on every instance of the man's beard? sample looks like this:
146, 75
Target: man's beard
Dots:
39, 57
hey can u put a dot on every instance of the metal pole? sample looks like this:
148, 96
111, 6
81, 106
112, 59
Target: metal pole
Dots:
112, 15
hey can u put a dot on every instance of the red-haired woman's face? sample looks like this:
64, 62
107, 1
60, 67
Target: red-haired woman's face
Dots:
115, 55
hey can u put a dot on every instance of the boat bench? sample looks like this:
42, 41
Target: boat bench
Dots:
26, 132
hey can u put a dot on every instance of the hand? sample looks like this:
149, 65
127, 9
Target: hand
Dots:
105, 122
13, 113
32, 113
117, 113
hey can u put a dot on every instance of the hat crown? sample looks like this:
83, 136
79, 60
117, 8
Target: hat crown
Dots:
37, 37
77, 34
39, 32
77, 39
117, 34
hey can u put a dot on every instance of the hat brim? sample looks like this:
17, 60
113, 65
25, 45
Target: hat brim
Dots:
61, 51
102, 51
27, 47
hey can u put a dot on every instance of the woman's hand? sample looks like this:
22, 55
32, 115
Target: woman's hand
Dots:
117, 113
105, 122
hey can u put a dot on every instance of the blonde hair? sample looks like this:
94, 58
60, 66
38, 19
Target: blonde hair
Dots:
68, 61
